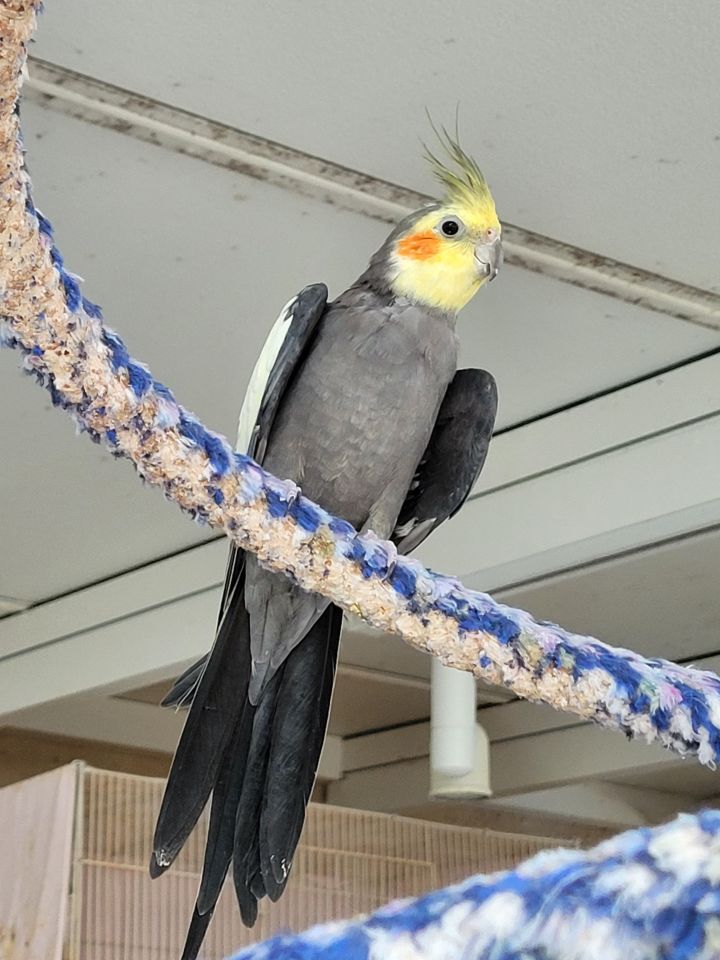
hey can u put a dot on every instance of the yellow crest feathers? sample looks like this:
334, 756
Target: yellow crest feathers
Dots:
466, 184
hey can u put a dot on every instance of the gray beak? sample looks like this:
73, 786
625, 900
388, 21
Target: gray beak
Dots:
489, 258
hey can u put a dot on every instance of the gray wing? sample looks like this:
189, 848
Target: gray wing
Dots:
303, 316
453, 460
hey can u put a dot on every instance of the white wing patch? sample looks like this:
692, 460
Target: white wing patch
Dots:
403, 529
261, 372
409, 535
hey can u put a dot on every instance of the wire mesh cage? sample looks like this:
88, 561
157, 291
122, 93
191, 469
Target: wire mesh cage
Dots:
74, 852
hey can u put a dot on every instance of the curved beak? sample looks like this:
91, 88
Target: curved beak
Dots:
489, 257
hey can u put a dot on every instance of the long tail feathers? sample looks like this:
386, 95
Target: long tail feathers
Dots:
221, 830
216, 710
260, 763
182, 692
199, 924
299, 726
288, 735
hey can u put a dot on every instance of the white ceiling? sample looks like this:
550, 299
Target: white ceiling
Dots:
597, 125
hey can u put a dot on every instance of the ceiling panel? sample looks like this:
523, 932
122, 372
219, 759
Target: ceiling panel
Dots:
596, 123
685, 777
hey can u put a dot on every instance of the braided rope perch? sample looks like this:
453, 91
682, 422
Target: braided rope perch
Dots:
644, 895
649, 893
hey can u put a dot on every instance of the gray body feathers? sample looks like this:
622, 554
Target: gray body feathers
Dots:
350, 431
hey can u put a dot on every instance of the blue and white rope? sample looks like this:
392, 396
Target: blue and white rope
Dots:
644, 895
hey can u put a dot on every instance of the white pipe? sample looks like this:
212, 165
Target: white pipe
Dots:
452, 721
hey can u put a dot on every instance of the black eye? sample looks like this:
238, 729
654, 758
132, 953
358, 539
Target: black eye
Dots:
451, 227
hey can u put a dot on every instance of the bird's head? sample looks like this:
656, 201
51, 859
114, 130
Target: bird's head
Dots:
441, 255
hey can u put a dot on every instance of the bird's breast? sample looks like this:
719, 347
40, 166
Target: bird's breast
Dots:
357, 419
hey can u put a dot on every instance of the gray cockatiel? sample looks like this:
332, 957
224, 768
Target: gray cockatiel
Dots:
359, 402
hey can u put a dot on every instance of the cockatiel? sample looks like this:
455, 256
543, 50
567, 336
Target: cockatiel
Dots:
358, 401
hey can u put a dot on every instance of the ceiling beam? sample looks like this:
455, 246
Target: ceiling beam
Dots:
195, 571
120, 654
631, 496
386, 747
131, 114
11, 605
521, 766
142, 726
519, 760
622, 805
558, 757
655, 405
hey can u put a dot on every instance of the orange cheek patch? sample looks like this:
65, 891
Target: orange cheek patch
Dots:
419, 246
